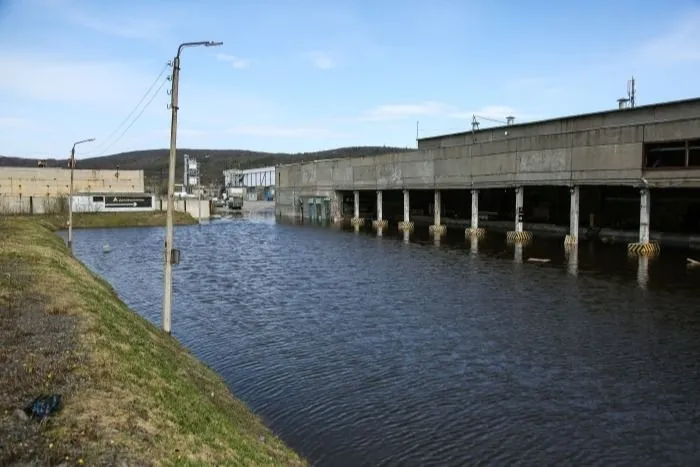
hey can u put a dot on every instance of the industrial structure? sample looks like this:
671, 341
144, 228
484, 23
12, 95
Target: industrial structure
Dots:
46, 190
259, 183
606, 164
190, 174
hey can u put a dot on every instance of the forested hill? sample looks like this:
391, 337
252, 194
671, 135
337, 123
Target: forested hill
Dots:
154, 162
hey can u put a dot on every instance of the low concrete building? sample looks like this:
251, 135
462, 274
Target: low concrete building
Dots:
52, 182
645, 147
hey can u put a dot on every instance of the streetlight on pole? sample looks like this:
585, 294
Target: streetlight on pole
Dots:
168, 292
70, 195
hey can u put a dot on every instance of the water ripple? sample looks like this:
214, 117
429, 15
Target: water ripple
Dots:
366, 351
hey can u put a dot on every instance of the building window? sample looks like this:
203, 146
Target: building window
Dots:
666, 155
694, 153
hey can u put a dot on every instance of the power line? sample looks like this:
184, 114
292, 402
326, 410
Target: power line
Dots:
143, 109
106, 142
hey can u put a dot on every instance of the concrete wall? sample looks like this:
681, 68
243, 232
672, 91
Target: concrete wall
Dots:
11, 204
189, 205
42, 182
94, 202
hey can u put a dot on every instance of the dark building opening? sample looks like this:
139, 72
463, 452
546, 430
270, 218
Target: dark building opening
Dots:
672, 154
665, 155
694, 153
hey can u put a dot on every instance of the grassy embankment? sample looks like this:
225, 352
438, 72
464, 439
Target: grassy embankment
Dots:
114, 219
131, 394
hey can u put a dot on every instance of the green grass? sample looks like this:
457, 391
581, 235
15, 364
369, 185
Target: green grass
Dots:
113, 219
135, 393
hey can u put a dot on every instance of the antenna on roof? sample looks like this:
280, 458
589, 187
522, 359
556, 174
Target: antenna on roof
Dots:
631, 91
629, 101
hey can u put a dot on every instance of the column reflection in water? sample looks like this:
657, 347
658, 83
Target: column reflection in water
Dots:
406, 237
436, 239
518, 252
474, 246
357, 229
643, 271
572, 259
380, 232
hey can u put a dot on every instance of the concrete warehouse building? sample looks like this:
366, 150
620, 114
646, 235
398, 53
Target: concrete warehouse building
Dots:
602, 165
42, 182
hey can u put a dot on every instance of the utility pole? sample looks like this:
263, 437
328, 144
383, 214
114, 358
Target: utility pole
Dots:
168, 292
70, 193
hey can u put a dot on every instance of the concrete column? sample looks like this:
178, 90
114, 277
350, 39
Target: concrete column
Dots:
436, 210
406, 224
644, 215
473, 230
437, 228
336, 215
356, 194
379, 223
406, 206
644, 247
572, 238
573, 215
519, 208
475, 209
518, 235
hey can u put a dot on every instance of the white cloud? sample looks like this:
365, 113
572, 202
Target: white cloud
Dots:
321, 60
285, 132
13, 122
680, 44
440, 109
43, 78
400, 111
141, 25
236, 62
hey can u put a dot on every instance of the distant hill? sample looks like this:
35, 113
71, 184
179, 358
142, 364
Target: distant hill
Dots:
154, 162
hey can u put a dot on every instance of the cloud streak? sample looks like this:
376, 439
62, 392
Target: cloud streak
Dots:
13, 122
285, 132
680, 44
44, 79
142, 25
236, 62
321, 60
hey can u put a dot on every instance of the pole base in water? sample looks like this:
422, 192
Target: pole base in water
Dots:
570, 240
437, 230
475, 232
380, 224
643, 249
518, 237
406, 226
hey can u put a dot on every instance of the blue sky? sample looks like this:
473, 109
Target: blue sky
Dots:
309, 75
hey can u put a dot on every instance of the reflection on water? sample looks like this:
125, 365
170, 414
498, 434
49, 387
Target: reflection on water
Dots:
367, 350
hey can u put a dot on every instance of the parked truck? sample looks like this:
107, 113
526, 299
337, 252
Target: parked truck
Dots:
234, 197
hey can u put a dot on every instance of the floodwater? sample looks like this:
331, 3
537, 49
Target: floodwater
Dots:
365, 350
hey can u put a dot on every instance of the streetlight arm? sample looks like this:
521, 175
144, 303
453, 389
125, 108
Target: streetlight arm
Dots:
197, 44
